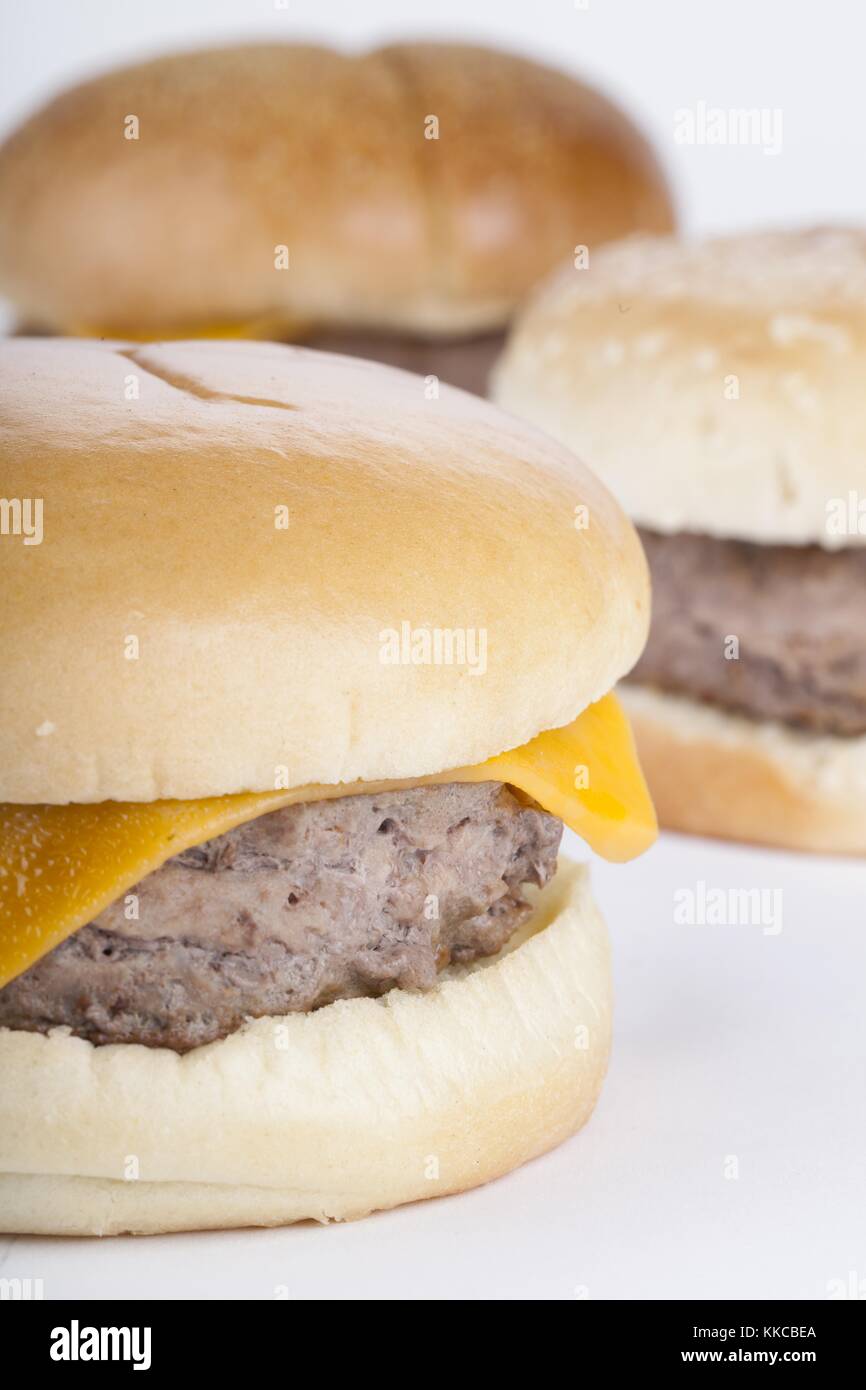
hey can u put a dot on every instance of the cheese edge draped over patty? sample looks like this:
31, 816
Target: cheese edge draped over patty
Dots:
60, 866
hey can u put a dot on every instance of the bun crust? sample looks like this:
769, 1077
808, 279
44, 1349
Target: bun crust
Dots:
363, 1105
714, 773
242, 150
743, 359
233, 538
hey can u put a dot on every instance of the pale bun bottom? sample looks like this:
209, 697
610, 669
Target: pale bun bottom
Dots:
332, 1115
719, 774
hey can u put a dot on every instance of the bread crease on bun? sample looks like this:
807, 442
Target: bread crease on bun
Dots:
263, 520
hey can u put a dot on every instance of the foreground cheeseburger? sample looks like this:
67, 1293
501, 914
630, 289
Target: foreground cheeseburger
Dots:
719, 388
394, 205
303, 673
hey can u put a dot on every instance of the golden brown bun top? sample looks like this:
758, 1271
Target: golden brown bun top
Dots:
242, 150
717, 386
232, 539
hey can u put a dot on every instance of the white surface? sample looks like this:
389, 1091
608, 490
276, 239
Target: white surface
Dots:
728, 1042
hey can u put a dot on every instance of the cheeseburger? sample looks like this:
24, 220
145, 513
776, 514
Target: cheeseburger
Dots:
303, 674
394, 205
718, 387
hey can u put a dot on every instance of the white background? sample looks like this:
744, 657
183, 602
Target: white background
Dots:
729, 1042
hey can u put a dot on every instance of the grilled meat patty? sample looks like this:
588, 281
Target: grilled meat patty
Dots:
315, 902
799, 613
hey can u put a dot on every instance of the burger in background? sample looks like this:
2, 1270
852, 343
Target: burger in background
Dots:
303, 674
718, 389
397, 205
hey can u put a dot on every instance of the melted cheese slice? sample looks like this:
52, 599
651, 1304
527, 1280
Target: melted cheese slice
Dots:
278, 330
61, 865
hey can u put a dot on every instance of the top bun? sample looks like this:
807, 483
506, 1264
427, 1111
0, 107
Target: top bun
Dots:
244, 150
233, 536
716, 386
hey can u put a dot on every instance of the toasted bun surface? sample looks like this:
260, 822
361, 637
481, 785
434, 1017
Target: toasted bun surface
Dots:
714, 773
717, 387
243, 150
362, 1105
228, 559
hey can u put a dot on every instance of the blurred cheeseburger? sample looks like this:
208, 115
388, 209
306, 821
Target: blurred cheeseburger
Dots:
719, 389
302, 678
394, 205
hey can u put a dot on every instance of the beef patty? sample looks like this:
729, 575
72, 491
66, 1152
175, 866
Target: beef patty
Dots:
464, 362
320, 901
799, 613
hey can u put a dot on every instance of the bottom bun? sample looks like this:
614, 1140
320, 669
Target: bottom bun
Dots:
362, 1105
720, 774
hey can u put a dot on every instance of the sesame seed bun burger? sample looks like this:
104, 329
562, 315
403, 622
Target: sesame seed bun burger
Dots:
396, 205
717, 386
304, 671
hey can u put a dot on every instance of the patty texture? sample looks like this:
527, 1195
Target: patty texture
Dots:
798, 612
316, 902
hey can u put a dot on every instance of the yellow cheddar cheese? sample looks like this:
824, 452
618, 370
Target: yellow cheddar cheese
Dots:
61, 865
277, 330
